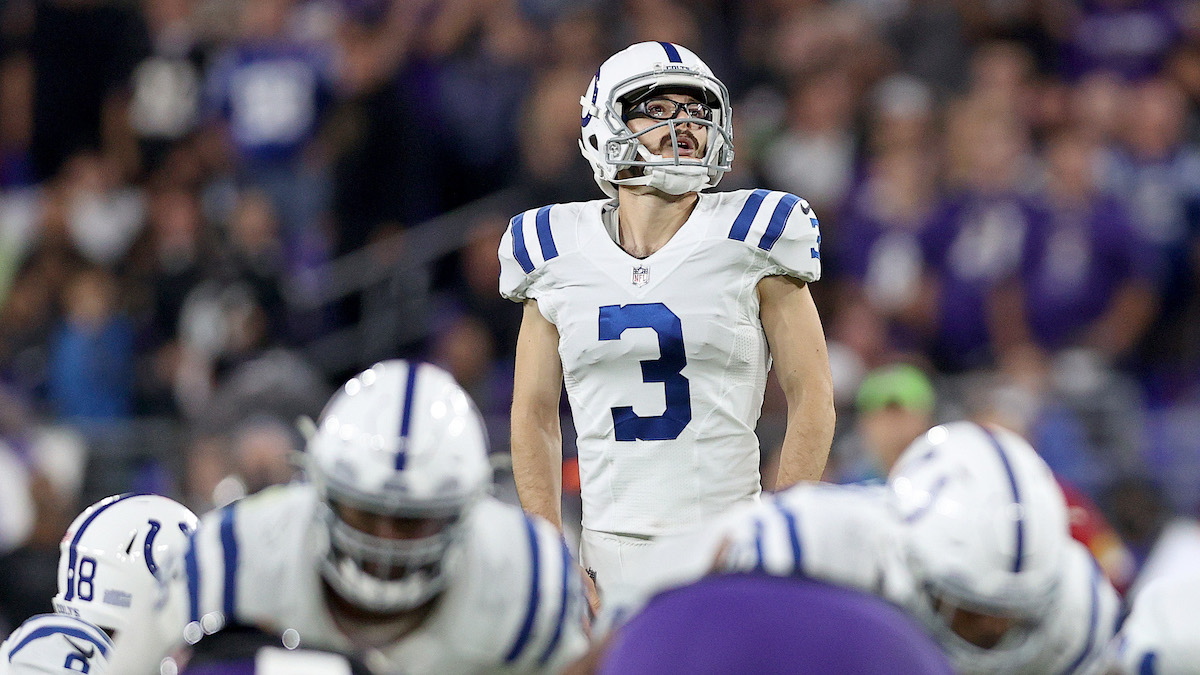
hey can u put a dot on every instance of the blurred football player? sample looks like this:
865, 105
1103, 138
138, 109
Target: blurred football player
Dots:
662, 307
394, 550
1161, 636
110, 555
970, 536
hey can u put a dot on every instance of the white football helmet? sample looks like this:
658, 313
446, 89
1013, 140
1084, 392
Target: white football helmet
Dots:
610, 146
1161, 636
112, 552
402, 441
985, 526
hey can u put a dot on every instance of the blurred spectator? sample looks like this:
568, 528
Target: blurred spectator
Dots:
895, 405
166, 85
91, 355
1130, 38
975, 239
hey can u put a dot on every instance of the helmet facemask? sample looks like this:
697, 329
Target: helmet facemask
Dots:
977, 636
673, 175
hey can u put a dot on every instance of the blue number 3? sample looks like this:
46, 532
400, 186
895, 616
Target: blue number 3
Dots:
614, 321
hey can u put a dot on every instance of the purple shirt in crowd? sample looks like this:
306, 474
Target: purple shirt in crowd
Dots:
1129, 38
1074, 263
973, 243
740, 623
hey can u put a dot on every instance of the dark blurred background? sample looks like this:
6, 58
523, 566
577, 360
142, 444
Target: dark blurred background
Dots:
213, 211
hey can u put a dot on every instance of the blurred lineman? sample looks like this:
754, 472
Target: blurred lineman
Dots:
394, 551
969, 535
1161, 636
109, 558
662, 308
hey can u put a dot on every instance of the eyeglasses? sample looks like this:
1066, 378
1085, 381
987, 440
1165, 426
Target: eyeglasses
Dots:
668, 109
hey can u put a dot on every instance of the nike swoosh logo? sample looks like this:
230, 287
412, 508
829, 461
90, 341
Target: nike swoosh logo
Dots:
86, 653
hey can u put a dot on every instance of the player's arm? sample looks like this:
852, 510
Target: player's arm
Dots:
797, 342
536, 430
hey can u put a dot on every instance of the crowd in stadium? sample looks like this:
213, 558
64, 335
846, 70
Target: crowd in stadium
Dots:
213, 212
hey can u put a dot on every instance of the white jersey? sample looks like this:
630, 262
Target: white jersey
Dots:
847, 535
513, 602
55, 643
664, 358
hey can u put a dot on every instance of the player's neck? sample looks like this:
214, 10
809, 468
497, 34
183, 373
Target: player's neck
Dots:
648, 218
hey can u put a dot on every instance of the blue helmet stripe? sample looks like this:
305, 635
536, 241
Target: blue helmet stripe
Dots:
545, 236
531, 611
230, 547
741, 224
568, 568
53, 630
672, 52
519, 250
73, 554
410, 388
778, 221
1012, 481
1149, 665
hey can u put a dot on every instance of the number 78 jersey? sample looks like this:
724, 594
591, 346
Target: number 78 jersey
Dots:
664, 358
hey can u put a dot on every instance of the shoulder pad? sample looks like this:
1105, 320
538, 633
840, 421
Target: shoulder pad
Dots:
528, 244
784, 227
48, 642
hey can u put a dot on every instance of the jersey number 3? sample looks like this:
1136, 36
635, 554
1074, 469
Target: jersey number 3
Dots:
667, 369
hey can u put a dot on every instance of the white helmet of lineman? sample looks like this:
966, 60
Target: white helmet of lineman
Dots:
1162, 634
112, 552
985, 526
400, 441
627, 77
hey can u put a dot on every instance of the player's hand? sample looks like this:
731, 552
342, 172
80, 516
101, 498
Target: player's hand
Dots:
593, 595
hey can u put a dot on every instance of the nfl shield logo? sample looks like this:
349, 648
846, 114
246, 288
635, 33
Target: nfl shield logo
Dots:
641, 274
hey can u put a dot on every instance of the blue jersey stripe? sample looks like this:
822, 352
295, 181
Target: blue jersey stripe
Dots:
518, 236
1093, 621
45, 631
1012, 481
410, 388
568, 568
192, 567
778, 221
72, 556
759, 558
545, 236
230, 548
741, 224
793, 538
531, 611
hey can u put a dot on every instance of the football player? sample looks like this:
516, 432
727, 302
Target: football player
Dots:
970, 536
1161, 636
662, 307
394, 551
109, 557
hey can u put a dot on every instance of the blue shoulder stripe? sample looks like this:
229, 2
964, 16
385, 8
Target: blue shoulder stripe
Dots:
72, 556
759, 558
568, 568
230, 548
192, 568
741, 224
46, 631
518, 237
531, 611
778, 220
545, 236
1093, 621
794, 538
1149, 664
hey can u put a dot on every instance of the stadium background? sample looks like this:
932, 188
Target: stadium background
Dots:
212, 211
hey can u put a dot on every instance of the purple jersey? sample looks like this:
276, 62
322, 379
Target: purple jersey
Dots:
1130, 39
741, 623
1074, 263
973, 243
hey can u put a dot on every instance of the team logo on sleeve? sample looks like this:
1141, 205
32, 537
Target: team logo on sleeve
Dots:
641, 275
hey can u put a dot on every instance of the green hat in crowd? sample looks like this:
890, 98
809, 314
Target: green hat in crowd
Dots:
899, 385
